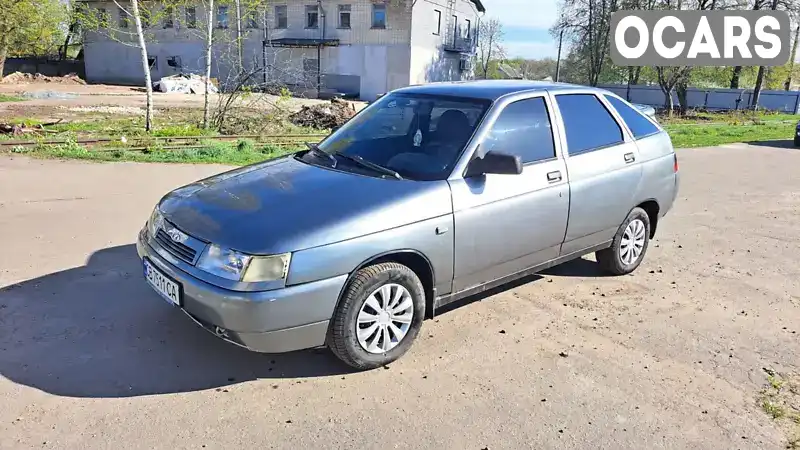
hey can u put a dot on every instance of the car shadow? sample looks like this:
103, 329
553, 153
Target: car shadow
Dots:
579, 267
575, 268
100, 331
487, 293
777, 143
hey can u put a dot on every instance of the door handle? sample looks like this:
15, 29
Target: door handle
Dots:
629, 158
554, 176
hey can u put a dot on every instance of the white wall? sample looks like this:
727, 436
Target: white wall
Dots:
384, 59
397, 31
429, 62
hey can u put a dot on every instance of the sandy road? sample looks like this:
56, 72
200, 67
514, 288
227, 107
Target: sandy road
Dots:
669, 357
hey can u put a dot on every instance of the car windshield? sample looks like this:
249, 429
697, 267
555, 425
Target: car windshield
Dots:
418, 137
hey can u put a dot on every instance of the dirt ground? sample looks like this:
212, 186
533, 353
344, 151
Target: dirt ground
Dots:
47, 101
672, 356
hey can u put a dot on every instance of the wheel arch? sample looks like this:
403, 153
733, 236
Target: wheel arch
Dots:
652, 208
414, 260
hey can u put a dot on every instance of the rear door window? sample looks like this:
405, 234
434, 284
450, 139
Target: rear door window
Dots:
587, 123
639, 125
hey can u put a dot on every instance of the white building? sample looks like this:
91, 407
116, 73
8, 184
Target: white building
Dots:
358, 47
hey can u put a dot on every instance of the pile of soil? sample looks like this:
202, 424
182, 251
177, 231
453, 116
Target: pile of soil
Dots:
18, 129
324, 115
27, 78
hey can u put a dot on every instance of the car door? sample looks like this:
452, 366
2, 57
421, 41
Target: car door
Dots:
603, 167
507, 223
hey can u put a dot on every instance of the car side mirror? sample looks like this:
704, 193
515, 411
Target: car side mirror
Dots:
495, 162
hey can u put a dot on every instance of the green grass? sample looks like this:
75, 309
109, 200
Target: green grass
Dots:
234, 153
10, 98
779, 401
773, 410
167, 123
131, 127
775, 382
697, 129
687, 136
728, 117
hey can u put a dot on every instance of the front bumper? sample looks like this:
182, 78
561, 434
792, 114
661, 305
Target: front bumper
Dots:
275, 321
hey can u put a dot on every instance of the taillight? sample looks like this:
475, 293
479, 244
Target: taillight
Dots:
675, 165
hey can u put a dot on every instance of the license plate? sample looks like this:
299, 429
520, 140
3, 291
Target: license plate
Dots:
170, 290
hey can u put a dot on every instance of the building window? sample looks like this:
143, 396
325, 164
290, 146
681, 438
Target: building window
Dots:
252, 18
102, 17
312, 16
124, 22
467, 29
378, 15
222, 17
281, 17
174, 61
344, 16
455, 28
169, 20
191, 17
438, 17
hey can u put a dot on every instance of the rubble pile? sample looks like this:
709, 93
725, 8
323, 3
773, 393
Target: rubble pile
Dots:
19, 129
324, 115
27, 78
184, 84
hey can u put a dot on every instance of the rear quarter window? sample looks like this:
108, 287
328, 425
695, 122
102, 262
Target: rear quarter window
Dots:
587, 123
639, 125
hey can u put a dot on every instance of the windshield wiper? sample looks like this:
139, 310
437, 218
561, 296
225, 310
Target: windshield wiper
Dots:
314, 148
371, 165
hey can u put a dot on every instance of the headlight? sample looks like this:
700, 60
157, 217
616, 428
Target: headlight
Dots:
155, 222
237, 266
267, 268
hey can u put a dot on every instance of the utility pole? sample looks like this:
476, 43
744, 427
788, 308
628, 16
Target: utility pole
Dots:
558, 60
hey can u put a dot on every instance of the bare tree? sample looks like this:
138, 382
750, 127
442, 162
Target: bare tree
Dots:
788, 5
209, 45
737, 71
682, 85
148, 84
587, 24
97, 21
760, 76
668, 77
788, 83
490, 44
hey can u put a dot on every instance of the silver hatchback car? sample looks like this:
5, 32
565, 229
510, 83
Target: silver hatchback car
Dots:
428, 195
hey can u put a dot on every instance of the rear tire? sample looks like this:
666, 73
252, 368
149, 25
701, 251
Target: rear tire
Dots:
796, 141
629, 245
378, 317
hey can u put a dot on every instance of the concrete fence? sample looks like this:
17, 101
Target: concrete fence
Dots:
48, 67
712, 99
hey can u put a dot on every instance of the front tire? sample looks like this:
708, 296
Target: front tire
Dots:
629, 245
797, 141
378, 317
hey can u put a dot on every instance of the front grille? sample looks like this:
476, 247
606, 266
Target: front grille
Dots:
177, 249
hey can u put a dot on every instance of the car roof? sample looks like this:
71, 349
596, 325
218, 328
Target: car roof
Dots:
491, 89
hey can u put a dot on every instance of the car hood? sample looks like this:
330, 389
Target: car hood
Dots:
287, 205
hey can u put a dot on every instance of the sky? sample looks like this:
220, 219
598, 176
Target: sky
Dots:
526, 24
